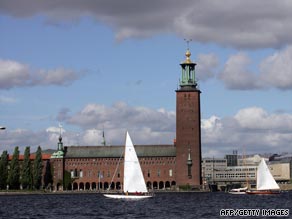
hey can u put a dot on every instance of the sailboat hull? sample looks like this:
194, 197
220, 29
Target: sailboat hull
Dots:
122, 196
239, 191
263, 192
134, 185
266, 184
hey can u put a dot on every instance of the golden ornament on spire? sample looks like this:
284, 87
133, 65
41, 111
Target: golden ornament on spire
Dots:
188, 55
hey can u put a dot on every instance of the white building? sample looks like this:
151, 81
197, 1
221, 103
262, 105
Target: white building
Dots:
216, 171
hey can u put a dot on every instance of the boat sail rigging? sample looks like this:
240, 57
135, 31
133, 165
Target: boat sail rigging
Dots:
134, 183
133, 176
266, 183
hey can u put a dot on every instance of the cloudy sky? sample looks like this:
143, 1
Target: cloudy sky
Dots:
114, 65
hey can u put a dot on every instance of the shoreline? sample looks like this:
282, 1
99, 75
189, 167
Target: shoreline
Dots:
3, 193
78, 192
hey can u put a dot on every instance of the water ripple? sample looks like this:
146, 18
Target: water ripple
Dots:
162, 206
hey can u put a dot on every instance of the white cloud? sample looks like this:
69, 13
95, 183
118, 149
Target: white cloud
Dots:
59, 76
237, 23
276, 70
122, 115
148, 125
54, 129
252, 130
255, 118
15, 74
92, 137
235, 74
207, 64
22, 138
233, 23
212, 129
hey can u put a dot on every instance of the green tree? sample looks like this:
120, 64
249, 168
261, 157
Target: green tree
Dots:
3, 170
26, 176
37, 169
67, 180
14, 172
48, 178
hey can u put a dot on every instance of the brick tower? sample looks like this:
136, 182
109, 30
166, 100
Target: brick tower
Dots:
188, 127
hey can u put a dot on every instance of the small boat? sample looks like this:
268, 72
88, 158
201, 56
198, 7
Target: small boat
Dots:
266, 184
128, 196
240, 191
134, 183
263, 192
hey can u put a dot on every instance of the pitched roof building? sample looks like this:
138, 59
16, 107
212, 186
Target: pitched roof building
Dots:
163, 166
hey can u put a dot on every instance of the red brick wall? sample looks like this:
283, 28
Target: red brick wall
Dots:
57, 166
155, 169
188, 137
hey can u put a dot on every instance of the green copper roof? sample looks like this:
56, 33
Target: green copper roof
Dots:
116, 151
58, 154
188, 72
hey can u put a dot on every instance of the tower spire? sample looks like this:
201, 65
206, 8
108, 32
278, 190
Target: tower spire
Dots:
188, 42
188, 79
60, 126
60, 151
103, 142
60, 143
188, 125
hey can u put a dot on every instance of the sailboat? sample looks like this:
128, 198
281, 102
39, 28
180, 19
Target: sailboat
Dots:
134, 183
240, 191
266, 183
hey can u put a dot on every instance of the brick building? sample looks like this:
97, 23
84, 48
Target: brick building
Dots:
163, 166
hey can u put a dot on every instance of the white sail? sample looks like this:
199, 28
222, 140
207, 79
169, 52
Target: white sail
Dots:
133, 176
265, 180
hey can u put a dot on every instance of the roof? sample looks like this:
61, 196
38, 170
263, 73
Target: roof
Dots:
117, 151
32, 157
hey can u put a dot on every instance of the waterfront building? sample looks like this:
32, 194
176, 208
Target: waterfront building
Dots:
209, 167
188, 126
281, 167
281, 171
232, 159
164, 166
217, 171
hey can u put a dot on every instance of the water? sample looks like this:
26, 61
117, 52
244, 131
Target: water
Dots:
162, 206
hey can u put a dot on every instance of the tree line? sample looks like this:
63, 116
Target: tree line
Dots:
27, 174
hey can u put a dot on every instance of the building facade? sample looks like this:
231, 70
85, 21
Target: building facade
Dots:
163, 166
188, 127
223, 173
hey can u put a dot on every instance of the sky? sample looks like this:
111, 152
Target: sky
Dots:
96, 65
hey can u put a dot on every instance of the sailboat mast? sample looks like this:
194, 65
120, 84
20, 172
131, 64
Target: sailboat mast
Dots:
125, 148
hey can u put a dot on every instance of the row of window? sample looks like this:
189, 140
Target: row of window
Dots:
237, 170
246, 169
215, 161
74, 163
101, 174
234, 175
116, 159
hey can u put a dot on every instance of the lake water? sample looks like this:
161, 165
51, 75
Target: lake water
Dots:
163, 205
